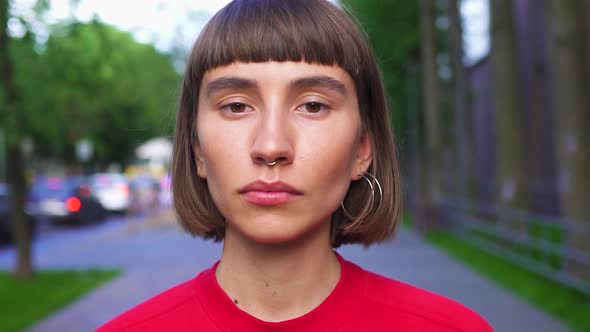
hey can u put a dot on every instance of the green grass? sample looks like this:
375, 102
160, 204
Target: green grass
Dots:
552, 234
407, 221
22, 303
564, 303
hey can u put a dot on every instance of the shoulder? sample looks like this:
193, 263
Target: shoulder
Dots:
173, 305
419, 307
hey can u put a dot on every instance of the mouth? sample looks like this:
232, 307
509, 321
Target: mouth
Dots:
269, 193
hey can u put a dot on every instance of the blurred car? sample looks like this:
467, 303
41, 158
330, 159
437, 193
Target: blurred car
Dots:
143, 191
111, 190
66, 200
165, 195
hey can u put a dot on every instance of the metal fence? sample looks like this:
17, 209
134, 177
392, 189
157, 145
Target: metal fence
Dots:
535, 242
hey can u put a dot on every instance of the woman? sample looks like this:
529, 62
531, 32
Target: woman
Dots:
284, 151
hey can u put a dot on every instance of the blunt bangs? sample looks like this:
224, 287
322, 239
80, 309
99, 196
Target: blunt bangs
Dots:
277, 30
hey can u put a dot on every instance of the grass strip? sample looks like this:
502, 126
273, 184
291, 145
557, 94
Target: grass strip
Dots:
24, 302
564, 303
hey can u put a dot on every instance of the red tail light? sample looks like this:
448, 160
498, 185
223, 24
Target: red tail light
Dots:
123, 187
73, 204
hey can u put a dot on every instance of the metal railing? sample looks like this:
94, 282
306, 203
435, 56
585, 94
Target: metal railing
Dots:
536, 242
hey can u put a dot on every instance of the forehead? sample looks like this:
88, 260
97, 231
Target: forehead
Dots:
273, 72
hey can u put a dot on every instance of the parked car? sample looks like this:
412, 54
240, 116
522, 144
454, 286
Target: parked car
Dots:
143, 191
111, 190
6, 236
165, 195
64, 200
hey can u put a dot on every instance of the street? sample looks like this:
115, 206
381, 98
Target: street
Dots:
154, 256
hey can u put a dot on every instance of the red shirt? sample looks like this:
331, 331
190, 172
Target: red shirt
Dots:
361, 301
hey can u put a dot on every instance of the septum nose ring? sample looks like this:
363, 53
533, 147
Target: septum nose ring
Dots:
272, 163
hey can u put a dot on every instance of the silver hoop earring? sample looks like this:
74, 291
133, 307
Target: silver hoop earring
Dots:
378, 187
366, 211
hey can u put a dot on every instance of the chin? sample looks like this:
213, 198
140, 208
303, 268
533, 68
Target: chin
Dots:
274, 235
277, 233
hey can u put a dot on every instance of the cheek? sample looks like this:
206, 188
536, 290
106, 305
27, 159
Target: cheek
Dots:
222, 151
221, 165
330, 159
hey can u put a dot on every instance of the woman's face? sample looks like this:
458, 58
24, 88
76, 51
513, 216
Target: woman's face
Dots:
304, 117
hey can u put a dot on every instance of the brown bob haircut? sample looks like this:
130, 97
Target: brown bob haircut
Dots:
316, 32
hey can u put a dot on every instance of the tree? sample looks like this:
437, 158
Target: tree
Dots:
462, 118
510, 163
14, 124
431, 97
570, 78
392, 27
105, 87
89, 80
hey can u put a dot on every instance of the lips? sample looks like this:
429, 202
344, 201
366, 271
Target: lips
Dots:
268, 194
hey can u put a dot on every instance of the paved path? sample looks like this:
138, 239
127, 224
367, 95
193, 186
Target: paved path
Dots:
157, 257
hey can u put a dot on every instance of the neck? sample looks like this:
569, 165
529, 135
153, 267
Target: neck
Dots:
277, 282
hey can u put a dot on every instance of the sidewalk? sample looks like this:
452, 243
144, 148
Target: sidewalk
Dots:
156, 258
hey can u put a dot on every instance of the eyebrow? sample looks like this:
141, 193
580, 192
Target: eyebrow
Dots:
310, 82
224, 83
320, 81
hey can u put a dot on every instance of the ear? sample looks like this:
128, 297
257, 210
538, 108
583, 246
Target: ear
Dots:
364, 157
200, 161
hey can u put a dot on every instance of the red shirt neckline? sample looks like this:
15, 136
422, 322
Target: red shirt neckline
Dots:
221, 309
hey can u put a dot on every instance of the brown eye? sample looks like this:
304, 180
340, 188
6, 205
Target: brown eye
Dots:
313, 107
237, 108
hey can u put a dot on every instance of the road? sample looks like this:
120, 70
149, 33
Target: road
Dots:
155, 255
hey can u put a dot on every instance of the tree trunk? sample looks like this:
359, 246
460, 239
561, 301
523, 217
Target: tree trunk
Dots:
510, 163
463, 177
586, 14
22, 228
569, 83
15, 168
431, 112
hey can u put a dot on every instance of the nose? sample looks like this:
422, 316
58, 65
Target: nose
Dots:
273, 141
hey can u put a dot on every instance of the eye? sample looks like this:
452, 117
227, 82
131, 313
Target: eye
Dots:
312, 107
236, 108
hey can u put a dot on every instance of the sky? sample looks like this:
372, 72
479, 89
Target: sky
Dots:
167, 23
476, 29
151, 21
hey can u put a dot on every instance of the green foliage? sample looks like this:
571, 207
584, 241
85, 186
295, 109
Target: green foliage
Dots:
24, 302
393, 30
90, 80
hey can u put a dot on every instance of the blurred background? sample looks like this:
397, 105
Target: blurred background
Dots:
490, 104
